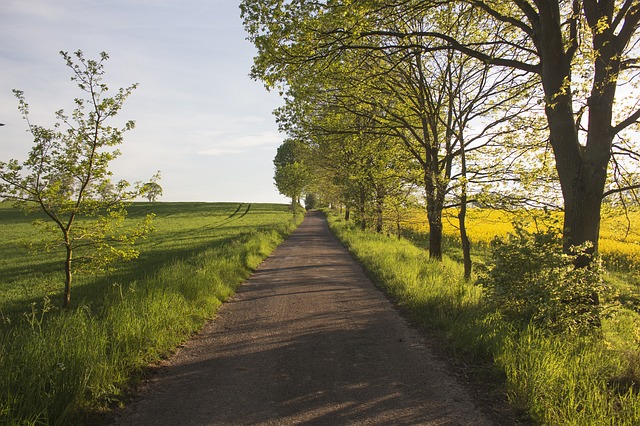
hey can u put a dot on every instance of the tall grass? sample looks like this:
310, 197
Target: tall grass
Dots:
57, 366
556, 379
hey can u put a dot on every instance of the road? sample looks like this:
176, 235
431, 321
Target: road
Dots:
307, 339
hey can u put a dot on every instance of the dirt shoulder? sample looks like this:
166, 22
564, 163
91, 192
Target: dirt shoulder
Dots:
308, 339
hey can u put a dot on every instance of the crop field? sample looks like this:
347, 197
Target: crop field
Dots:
60, 366
619, 233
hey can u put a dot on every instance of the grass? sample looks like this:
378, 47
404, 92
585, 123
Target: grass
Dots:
57, 366
556, 379
619, 243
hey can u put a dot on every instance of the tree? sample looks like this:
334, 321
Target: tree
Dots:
310, 201
66, 176
581, 51
291, 174
152, 189
409, 88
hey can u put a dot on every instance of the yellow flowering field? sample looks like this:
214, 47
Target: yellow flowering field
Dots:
619, 235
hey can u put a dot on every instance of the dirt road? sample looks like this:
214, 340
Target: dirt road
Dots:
307, 340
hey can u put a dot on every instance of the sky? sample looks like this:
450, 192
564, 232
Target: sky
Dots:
200, 119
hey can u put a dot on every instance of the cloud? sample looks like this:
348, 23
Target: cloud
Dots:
216, 152
260, 139
234, 144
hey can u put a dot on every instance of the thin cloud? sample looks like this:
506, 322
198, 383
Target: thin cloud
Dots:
217, 152
241, 144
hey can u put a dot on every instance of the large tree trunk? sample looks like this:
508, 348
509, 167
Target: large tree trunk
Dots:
582, 214
582, 180
435, 232
434, 215
582, 170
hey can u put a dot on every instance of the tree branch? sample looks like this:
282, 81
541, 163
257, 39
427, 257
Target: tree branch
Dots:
633, 118
454, 44
622, 189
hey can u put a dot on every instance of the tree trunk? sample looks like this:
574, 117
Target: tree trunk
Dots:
363, 210
462, 220
434, 216
379, 211
581, 169
66, 302
347, 213
466, 243
582, 172
435, 232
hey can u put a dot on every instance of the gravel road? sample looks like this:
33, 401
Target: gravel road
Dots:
307, 340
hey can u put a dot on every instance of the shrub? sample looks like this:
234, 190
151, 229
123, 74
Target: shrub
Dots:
529, 279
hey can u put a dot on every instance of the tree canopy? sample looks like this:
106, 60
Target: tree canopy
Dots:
559, 72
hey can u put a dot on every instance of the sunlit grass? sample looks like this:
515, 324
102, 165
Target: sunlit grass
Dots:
619, 243
557, 379
57, 365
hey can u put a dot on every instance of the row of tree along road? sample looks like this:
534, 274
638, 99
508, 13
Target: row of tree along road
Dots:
504, 103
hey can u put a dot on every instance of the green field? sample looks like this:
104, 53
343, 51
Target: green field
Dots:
58, 366
182, 230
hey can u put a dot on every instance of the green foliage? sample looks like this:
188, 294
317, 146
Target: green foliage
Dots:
291, 173
66, 176
530, 279
152, 190
310, 201
58, 364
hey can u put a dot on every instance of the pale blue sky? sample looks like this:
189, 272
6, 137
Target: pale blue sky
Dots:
200, 119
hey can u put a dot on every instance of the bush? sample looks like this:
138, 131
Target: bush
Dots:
529, 279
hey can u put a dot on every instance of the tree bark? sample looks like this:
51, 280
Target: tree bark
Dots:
462, 219
466, 243
363, 210
379, 212
434, 215
582, 170
66, 302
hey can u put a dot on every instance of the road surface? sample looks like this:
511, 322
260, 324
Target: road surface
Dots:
307, 340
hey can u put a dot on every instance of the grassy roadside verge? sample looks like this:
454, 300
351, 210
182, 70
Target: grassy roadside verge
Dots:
57, 366
556, 379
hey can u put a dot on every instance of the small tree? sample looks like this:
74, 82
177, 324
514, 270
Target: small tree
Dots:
310, 201
152, 189
291, 174
66, 176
